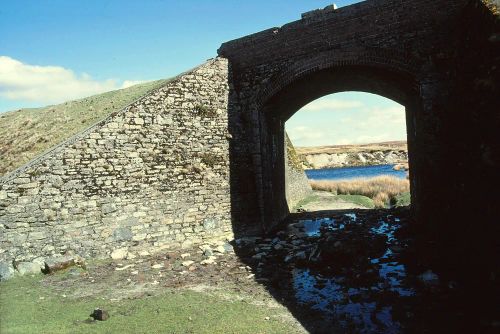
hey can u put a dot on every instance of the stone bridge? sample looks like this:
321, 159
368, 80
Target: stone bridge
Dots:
203, 157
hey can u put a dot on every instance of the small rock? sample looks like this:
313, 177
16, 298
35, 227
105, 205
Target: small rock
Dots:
228, 247
267, 318
210, 260
161, 265
123, 268
429, 278
220, 249
100, 315
185, 255
187, 263
301, 255
6, 271
122, 234
24, 268
119, 254
208, 252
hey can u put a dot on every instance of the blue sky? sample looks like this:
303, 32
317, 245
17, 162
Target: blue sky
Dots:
56, 50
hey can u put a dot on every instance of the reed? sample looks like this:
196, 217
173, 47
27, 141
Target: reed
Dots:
382, 189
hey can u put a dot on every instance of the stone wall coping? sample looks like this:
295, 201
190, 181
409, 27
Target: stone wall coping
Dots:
314, 15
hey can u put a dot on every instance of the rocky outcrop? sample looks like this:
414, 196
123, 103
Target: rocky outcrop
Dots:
332, 160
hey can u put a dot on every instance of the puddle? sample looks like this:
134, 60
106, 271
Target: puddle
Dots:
314, 227
337, 302
355, 301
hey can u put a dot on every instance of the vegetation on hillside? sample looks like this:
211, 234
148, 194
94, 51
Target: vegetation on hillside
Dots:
367, 148
293, 158
383, 190
26, 133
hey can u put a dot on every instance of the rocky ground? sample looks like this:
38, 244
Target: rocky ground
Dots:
324, 200
351, 271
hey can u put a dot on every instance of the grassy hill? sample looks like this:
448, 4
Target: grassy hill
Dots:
336, 149
26, 133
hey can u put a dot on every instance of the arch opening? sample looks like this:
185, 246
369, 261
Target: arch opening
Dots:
294, 95
351, 149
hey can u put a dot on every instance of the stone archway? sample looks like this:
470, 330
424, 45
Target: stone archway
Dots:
299, 86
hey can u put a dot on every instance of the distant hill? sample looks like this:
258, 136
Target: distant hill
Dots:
372, 147
26, 133
392, 152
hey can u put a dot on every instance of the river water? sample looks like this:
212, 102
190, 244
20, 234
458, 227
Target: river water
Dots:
354, 172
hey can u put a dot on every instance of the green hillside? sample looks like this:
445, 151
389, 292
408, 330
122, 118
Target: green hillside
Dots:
26, 133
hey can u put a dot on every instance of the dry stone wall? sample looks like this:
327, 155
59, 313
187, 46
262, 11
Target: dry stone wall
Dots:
152, 176
297, 185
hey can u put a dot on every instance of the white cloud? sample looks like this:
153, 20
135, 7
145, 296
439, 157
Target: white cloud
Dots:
374, 119
48, 84
331, 104
300, 134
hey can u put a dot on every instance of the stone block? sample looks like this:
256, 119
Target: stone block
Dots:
122, 234
26, 268
6, 271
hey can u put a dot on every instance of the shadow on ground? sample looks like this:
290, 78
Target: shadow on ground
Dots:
363, 271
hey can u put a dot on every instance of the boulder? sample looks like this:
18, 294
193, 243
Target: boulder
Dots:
57, 263
26, 268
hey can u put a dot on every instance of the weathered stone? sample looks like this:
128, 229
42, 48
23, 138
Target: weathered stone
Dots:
108, 208
24, 268
6, 271
220, 249
210, 260
122, 234
57, 263
119, 254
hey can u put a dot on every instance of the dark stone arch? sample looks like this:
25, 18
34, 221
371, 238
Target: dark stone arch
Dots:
438, 58
377, 63
290, 91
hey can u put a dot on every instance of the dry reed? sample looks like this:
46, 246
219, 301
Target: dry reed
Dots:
382, 189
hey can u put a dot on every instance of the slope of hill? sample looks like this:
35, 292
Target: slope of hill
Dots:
394, 152
26, 133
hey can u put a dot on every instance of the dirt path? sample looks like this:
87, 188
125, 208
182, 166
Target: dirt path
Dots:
324, 200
